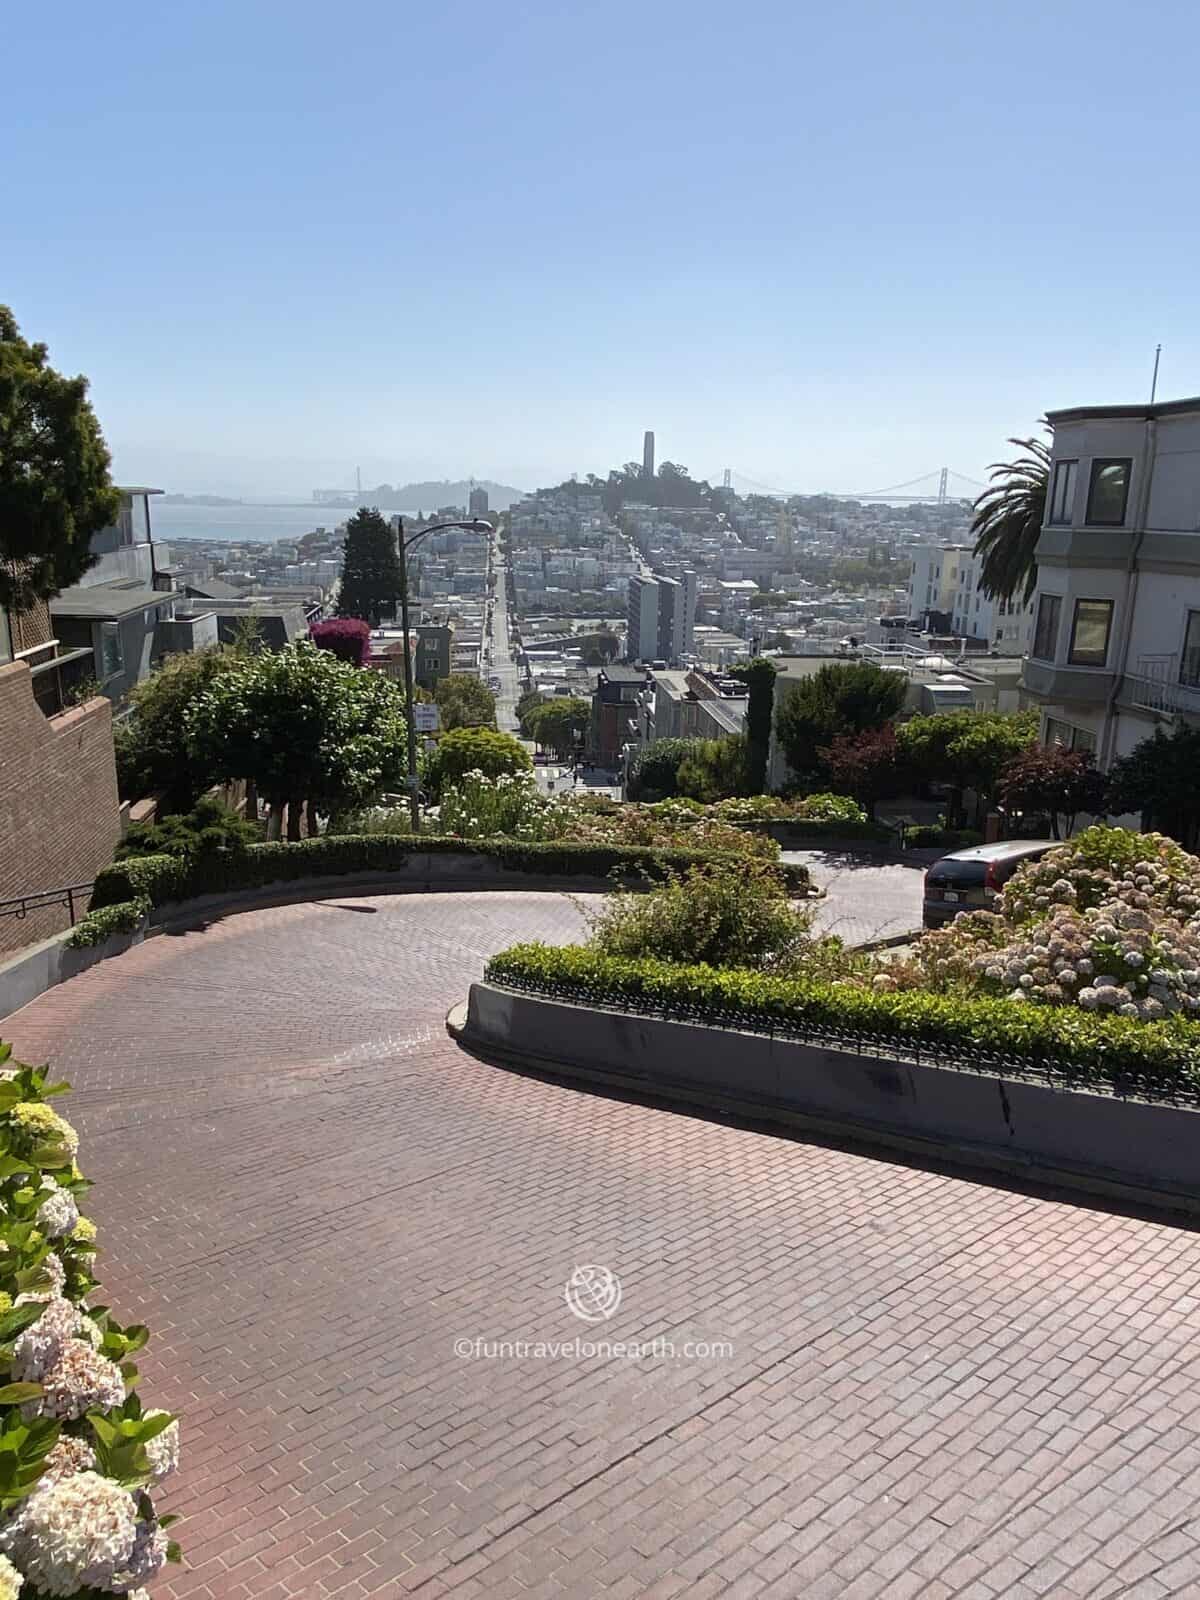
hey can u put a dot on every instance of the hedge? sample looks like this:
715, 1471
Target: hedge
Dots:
160, 879
805, 829
126, 916
927, 837
1116, 1055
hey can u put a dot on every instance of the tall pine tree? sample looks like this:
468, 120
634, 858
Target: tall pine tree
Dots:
370, 568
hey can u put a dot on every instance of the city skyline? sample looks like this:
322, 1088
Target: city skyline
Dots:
827, 251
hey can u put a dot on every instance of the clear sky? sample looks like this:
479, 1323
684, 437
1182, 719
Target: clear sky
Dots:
829, 246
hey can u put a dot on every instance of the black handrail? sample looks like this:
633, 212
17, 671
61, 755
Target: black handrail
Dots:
70, 895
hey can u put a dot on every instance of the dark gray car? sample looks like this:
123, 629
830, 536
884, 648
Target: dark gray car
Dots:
968, 880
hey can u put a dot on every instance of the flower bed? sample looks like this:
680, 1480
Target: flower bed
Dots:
79, 1457
1110, 1054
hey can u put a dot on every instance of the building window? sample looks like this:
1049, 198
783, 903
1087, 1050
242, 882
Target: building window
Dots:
1089, 633
1045, 635
1189, 667
1068, 737
1108, 491
1062, 498
112, 654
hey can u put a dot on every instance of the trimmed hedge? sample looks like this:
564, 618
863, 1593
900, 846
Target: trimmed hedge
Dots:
927, 837
126, 916
1115, 1055
160, 879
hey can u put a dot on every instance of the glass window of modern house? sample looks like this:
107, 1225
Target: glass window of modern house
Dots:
1089, 633
112, 653
1045, 635
1108, 491
1062, 496
1068, 737
1189, 666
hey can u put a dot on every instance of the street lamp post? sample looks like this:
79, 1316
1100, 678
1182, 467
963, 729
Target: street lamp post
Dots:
476, 525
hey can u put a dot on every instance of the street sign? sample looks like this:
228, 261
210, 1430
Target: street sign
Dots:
426, 717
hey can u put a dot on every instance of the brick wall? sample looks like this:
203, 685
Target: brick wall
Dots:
59, 819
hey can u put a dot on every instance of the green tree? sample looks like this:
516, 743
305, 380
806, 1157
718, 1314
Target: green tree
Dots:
559, 722
714, 770
1051, 781
152, 744
464, 701
654, 768
759, 677
1159, 779
965, 750
466, 750
527, 705
1008, 521
840, 698
370, 586
301, 726
55, 488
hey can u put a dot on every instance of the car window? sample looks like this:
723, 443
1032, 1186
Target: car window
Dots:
964, 874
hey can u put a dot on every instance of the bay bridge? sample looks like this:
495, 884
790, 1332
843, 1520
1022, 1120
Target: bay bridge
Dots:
944, 484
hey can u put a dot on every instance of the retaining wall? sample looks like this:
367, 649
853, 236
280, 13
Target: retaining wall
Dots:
1087, 1141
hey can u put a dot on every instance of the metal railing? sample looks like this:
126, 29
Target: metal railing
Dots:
74, 896
1156, 685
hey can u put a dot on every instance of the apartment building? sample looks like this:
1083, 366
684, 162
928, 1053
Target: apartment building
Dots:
641, 620
1115, 651
933, 583
1005, 626
661, 617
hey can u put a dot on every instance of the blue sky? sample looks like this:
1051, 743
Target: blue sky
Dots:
830, 247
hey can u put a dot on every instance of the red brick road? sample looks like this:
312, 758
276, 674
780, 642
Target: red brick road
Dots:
938, 1388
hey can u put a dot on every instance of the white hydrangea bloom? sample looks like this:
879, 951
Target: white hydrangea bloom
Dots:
73, 1533
78, 1382
147, 1557
58, 1213
53, 1268
68, 1456
41, 1345
163, 1449
10, 1580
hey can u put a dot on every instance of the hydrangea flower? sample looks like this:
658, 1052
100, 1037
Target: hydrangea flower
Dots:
79, 1381
10, 1580
73, 1533
38, 1123
39, 1347
58, 1213
163, 1449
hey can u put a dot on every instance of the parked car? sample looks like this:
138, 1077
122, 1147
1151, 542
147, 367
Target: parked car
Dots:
967, 880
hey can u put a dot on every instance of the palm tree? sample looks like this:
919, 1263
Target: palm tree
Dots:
1008, 521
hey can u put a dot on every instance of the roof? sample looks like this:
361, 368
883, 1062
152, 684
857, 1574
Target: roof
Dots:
1163, 408
136, 488
106, 602
213, 589
623, 674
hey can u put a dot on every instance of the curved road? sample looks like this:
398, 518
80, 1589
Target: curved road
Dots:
932, 1386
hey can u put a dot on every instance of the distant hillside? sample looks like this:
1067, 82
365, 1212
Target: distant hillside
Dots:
428, 496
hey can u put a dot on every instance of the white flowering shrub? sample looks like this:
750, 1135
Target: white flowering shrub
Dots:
479, 807
1109, 922
78, 1455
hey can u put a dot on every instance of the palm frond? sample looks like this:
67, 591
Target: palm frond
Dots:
1008, 520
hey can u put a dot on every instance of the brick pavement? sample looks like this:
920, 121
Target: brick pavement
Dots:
938, 1387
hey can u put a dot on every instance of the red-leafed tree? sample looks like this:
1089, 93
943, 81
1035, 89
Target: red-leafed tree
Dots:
869, 766
347, 637
1058, 782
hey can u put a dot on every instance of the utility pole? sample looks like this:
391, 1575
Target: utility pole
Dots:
1154, 380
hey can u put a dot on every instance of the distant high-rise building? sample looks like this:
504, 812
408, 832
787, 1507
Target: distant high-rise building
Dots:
477, 505
661, 617
641, 638
648, 454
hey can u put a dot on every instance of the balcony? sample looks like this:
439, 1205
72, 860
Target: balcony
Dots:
1155, 686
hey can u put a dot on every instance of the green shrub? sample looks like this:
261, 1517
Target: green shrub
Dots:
929, 837
1155, 1059
127, 916
827, 808
464, 750
162, 879
654, 768
208, 827
722, 913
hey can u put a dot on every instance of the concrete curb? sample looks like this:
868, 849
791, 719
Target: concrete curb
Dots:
1127, 1151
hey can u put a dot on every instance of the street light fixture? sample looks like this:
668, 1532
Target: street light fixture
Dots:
475, 525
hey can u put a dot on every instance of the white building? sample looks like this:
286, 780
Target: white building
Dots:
1006, 626
641, 637
1115, 651
933, 583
